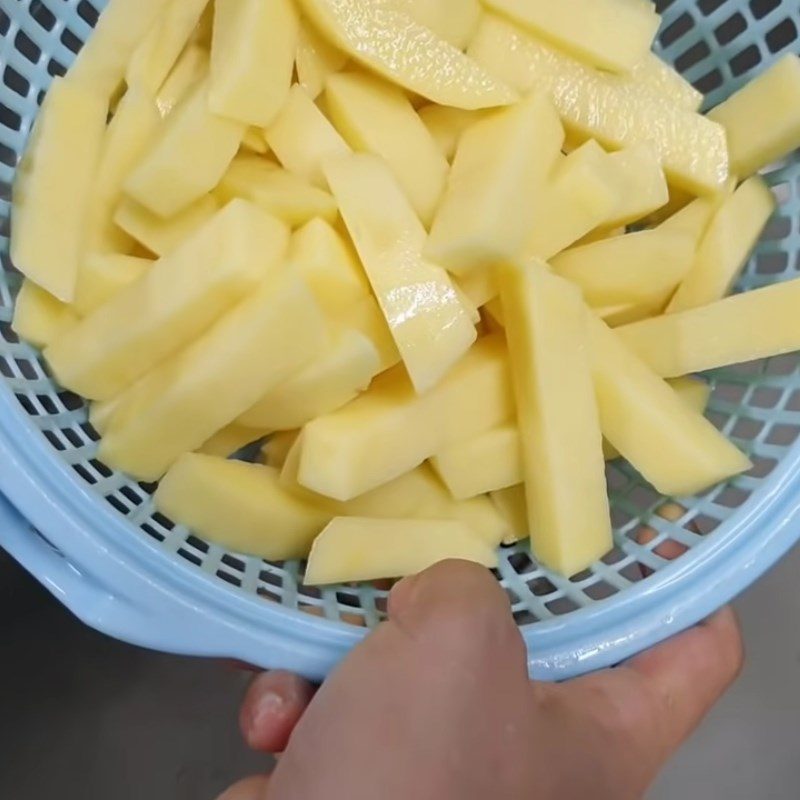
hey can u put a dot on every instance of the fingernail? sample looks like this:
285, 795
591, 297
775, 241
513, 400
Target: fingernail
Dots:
269, 706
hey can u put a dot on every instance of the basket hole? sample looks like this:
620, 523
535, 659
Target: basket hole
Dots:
731, 497
130, 494
73, 437
703, 524
85, 474
91, 434
643, 498
761, 8
521, 563
71, 401
633, 572
70, 40
742, 62
43, 16
582, 577
617, 480
10, 119
231, 561
167, 524
542, 587
694, 55
117, 504
708, 7
778, 228
88, 13
55, 69
270, 578
227, 577
600, 591
524, 617
27, 47
562, 606
153, 533
762, 466
783, 435
772, 263
710, 82
730, 29
747, 429
677, 29
5, 23
14, 81
782, 36
613, 556
101, 468
27, 405
196, 560
55, 440
766, 397
782, 365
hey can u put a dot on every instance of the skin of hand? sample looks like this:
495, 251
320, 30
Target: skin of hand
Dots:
437, 705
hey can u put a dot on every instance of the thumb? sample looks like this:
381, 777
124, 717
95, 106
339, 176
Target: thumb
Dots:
444, 672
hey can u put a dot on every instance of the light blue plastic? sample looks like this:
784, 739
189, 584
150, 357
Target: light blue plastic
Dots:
132, 574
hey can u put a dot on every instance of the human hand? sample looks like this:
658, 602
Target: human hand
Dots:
436, 704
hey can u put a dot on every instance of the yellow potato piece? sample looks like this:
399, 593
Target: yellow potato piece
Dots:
726, 246
479, 287
762, 120
430, 325
161, 235
642, 185
178, 299
453, 20
53, 187
361, 549
252, 59
39, 318
579, 198
376, 117
329, 382
179, 405
190, 69
329, 266
230, 440
315, 60
121, 28
616, 110
610, 34
158, 52
656, 74
492, 461
365, 315
417, 494
302, 138
392, 44
484, 463
239, 506
103, 276
562, 447
692, 219
276, 449
339, 455
496, 186
254, 141
675, 448
277, 191
134, 127
188, 159
632, 268
446, 125
511, 503
758, 324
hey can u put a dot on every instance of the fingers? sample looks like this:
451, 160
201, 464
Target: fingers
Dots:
688, 674
254, 788
426, 691
272, 708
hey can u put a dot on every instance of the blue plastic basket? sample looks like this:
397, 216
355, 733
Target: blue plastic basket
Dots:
91, 535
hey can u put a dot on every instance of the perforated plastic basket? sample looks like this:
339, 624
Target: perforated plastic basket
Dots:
92, 537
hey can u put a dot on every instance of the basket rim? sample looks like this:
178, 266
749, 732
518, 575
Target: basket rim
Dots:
86, 531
